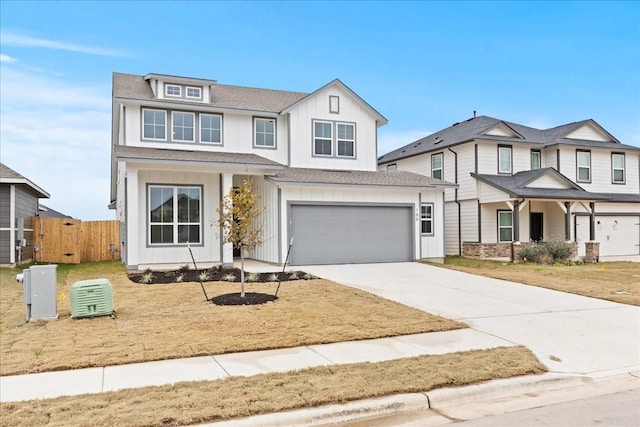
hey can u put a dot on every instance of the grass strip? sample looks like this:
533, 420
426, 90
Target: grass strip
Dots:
209, 401
611, 281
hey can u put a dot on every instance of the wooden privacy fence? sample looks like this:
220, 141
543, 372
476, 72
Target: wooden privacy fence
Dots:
70, 241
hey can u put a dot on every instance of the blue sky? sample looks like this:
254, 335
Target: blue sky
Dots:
423, 65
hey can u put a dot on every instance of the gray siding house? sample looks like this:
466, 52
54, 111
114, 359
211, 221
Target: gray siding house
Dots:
18, 205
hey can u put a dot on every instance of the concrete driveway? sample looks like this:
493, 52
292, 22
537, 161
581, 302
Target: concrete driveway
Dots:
568, 333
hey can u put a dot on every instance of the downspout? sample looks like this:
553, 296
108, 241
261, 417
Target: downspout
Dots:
455, 162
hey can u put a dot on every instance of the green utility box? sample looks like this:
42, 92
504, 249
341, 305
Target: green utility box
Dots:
90, 298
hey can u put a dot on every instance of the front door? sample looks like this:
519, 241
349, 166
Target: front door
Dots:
535, 226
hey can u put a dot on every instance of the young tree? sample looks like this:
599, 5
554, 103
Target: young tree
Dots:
239, 218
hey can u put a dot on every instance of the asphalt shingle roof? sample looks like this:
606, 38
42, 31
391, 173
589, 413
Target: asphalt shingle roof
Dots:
476, 127
516, 186
161, 154
131, 86
9, 176
348, 177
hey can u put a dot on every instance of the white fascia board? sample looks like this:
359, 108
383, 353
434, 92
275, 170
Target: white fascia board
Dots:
219, 166
281, 184
25, 181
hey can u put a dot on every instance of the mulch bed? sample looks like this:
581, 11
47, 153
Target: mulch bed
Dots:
250, 298
216, 274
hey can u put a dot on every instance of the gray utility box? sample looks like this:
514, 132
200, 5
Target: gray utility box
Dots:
39, 283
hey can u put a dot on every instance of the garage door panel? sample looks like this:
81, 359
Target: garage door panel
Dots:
327, 234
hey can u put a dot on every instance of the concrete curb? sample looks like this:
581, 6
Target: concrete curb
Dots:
455, 403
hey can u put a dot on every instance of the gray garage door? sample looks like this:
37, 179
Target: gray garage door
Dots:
350, 234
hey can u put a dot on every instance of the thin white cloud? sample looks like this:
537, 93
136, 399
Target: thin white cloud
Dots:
18, 40
7, 59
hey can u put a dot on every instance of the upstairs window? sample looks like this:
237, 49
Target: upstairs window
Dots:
154, 124
536, 159
194, 92
583, 163
505, 226
392, 167
173, 91
346, 139
436, 166
211, 128
183, 126
264, 132
504, 159
322, 138
174, 215
426, 219
617, 168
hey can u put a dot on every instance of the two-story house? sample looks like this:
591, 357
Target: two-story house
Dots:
574, 182
180, 144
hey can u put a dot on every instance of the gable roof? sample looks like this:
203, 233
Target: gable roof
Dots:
9, 176
401, 179
336, 82
476, 128
47, 212
516, 186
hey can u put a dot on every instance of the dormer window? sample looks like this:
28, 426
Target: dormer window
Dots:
194, 92
173, 91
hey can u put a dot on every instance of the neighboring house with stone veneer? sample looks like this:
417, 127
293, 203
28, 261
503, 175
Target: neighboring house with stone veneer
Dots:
18, 206
574, 182
180, 144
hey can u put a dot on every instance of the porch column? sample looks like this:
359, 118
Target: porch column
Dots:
516, 221
567, 222
592, 221
227, 248
134, 230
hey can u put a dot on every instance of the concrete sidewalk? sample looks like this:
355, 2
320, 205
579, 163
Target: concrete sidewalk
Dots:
206, 368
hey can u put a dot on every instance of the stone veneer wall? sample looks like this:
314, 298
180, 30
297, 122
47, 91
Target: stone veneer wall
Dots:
503, 250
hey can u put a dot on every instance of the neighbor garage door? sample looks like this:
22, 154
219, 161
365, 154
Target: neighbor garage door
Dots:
332, 234
617, 234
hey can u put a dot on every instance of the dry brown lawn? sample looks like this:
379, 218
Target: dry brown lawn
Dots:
156, 322
200, 402
613, 281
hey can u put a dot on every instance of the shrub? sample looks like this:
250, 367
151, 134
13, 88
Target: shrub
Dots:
204, 276
549, 252
213, 270
293, 275
273, 277
253, 277
170, 274
147, 277
229, 277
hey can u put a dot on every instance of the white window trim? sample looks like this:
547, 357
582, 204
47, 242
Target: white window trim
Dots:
200, 128
165, 125
500, 227
539, 154
425, 218
614, 169
578, 166
193, 126
334, 104
352, 141
441, 168
167, 94
330, 139
255, 132
199, 89
500, 165
392, 167
175, 224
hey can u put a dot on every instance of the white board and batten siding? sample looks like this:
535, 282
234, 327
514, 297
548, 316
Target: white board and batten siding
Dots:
316, 107
139, 252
